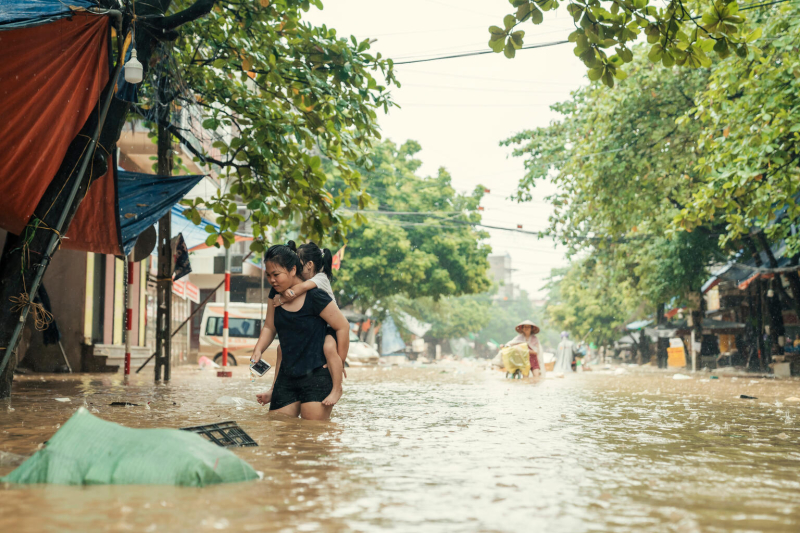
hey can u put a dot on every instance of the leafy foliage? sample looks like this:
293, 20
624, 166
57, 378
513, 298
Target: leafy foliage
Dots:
279, 95
679, 33
669, 173
590, 303
624, 168
433, 251
750, 115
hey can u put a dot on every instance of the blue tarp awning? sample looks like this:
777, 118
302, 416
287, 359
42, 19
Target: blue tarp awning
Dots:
26, 13
145, 198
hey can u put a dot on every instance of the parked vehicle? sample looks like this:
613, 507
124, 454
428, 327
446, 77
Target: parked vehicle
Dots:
244, 326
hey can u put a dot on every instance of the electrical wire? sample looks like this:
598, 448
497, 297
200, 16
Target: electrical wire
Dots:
479, 53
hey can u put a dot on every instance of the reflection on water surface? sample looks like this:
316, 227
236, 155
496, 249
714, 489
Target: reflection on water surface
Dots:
442, 448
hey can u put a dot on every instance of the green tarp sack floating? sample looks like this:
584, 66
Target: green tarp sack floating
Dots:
90, 451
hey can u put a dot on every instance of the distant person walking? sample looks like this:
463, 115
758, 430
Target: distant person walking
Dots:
565, 353
527, 332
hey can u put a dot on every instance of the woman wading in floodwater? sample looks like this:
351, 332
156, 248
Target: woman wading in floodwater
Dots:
301, 379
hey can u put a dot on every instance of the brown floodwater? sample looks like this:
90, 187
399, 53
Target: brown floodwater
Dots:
441, 448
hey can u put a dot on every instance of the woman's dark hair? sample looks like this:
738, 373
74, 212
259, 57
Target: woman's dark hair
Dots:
284, 255
322, 259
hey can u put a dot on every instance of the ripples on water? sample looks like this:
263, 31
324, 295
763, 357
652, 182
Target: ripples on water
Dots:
422, 449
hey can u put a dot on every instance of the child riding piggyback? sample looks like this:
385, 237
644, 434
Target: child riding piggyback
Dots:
318, 273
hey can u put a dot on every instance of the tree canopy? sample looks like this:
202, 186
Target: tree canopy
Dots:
418, 238
587, 300
750, 115
624, 169
674, 169
679, 33
264, 97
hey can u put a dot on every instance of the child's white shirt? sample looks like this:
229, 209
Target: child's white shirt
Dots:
322, 282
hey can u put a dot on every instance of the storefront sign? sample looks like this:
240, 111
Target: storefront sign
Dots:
191, 292
179, 288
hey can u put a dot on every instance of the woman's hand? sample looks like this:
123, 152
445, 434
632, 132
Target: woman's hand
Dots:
255, 358
265, 397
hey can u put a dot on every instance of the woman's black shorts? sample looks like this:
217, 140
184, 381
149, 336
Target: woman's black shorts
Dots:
312, 387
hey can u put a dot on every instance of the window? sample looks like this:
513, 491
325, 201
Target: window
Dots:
237, 327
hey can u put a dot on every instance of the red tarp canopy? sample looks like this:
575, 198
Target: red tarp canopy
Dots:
51, 77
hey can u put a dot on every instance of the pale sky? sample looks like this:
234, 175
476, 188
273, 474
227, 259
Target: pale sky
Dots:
460, 109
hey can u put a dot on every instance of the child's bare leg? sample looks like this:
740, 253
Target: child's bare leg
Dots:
336, 368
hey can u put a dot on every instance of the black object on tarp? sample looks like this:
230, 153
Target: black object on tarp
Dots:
226, 434
180, 257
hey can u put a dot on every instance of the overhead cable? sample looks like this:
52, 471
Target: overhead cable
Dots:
478, 53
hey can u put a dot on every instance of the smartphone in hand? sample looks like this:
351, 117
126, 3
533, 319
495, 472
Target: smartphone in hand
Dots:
260, 368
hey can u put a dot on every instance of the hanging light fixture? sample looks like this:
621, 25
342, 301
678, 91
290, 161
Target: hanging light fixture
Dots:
133, 69
770, 293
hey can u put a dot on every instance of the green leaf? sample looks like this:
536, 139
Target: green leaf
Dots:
595, 73
509, 21
625, 54
536, 15
608, 79
510, 51
655, 53
497, 46
211, 240
523, 11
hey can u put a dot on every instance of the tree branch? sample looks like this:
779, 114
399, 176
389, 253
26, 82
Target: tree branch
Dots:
197, 10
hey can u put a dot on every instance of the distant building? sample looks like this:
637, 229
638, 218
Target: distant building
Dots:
501, 272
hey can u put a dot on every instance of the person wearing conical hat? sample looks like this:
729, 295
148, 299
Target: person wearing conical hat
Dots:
527, 332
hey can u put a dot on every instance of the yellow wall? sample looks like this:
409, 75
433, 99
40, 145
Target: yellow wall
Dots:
88, 305
143, 268
119, 300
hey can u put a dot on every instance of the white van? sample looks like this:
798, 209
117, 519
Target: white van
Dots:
244, 326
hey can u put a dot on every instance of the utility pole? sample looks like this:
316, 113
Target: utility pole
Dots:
164, 276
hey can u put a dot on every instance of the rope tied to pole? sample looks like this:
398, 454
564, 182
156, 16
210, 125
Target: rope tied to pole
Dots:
41, 317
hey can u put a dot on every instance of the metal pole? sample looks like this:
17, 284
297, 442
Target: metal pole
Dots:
164, 276
225, 373
128, 314
89, 154
200, 307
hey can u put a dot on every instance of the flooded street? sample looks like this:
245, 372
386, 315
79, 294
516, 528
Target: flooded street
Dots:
442, 448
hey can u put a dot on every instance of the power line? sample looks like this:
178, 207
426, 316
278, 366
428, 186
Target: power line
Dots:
480, 89
765, 4
478, 53
486, 78
419, 104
